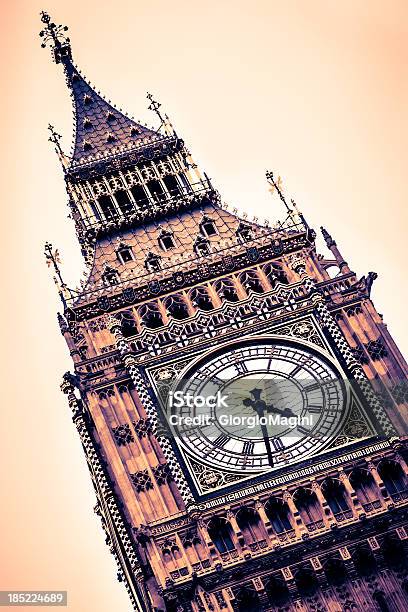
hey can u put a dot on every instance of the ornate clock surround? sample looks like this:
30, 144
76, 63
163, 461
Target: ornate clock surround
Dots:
304, 331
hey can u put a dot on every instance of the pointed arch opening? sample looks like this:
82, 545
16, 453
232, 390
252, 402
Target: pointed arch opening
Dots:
150, 315
394, 479
221, 534
250, 525
366, 489
277, 511
309, 508
336, 496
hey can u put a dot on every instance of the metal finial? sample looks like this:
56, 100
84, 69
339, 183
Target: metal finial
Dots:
276, 185
53, 36
55, 139
154, 106
52, 258
327, 238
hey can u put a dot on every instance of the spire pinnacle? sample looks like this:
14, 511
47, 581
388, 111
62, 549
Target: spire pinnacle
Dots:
154, 106
54, 36
55, 139
327, 238
164, 121
276, 185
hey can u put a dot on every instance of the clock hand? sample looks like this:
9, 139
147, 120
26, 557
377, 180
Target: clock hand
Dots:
267, 444
284, 412
259, 406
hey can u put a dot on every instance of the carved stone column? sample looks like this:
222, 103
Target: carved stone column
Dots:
378, 481
237, 531
328, 516
271, 535
298, 524
357, 508
202, 528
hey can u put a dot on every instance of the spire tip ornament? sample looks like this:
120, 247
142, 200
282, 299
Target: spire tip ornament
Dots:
276, 185
54, 36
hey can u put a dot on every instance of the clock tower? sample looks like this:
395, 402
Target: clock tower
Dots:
241, 404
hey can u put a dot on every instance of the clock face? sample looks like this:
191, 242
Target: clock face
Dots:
257, 405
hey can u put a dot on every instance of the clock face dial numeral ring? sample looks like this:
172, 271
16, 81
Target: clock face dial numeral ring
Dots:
257, 405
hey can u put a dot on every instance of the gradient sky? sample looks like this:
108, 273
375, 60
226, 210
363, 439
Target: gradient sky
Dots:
314, 90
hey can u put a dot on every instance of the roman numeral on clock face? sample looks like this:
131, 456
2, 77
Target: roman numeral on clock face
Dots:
312, 387
221, 440
277, 444
314, 409
241, 367
248, 448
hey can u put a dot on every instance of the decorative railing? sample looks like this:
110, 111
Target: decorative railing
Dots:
258, 545
374, 504
399, 496
343, 515
315, 525
285, 536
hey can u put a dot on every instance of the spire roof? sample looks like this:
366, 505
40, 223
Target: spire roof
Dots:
101, 130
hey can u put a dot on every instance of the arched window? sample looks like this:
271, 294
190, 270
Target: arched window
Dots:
156, 190
277, 590
150, 315
394, 479
153, 262
335, 571
274, 273
306, 582
364, 561
366, 489
251, 281
123, 201
226, 290
335, 495
124, 253
393, 551
200, 298
128, 324
244, 232
139, 195
379, 598
250, 524
278, 513
166, 240
201, 246
110, 276
172, 185
247, 600
176, 307
309, 508
220, 532
207, 227
107, 206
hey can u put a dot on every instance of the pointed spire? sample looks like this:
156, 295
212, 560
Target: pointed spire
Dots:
331, 244
327, 238
54, 36
101, 130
